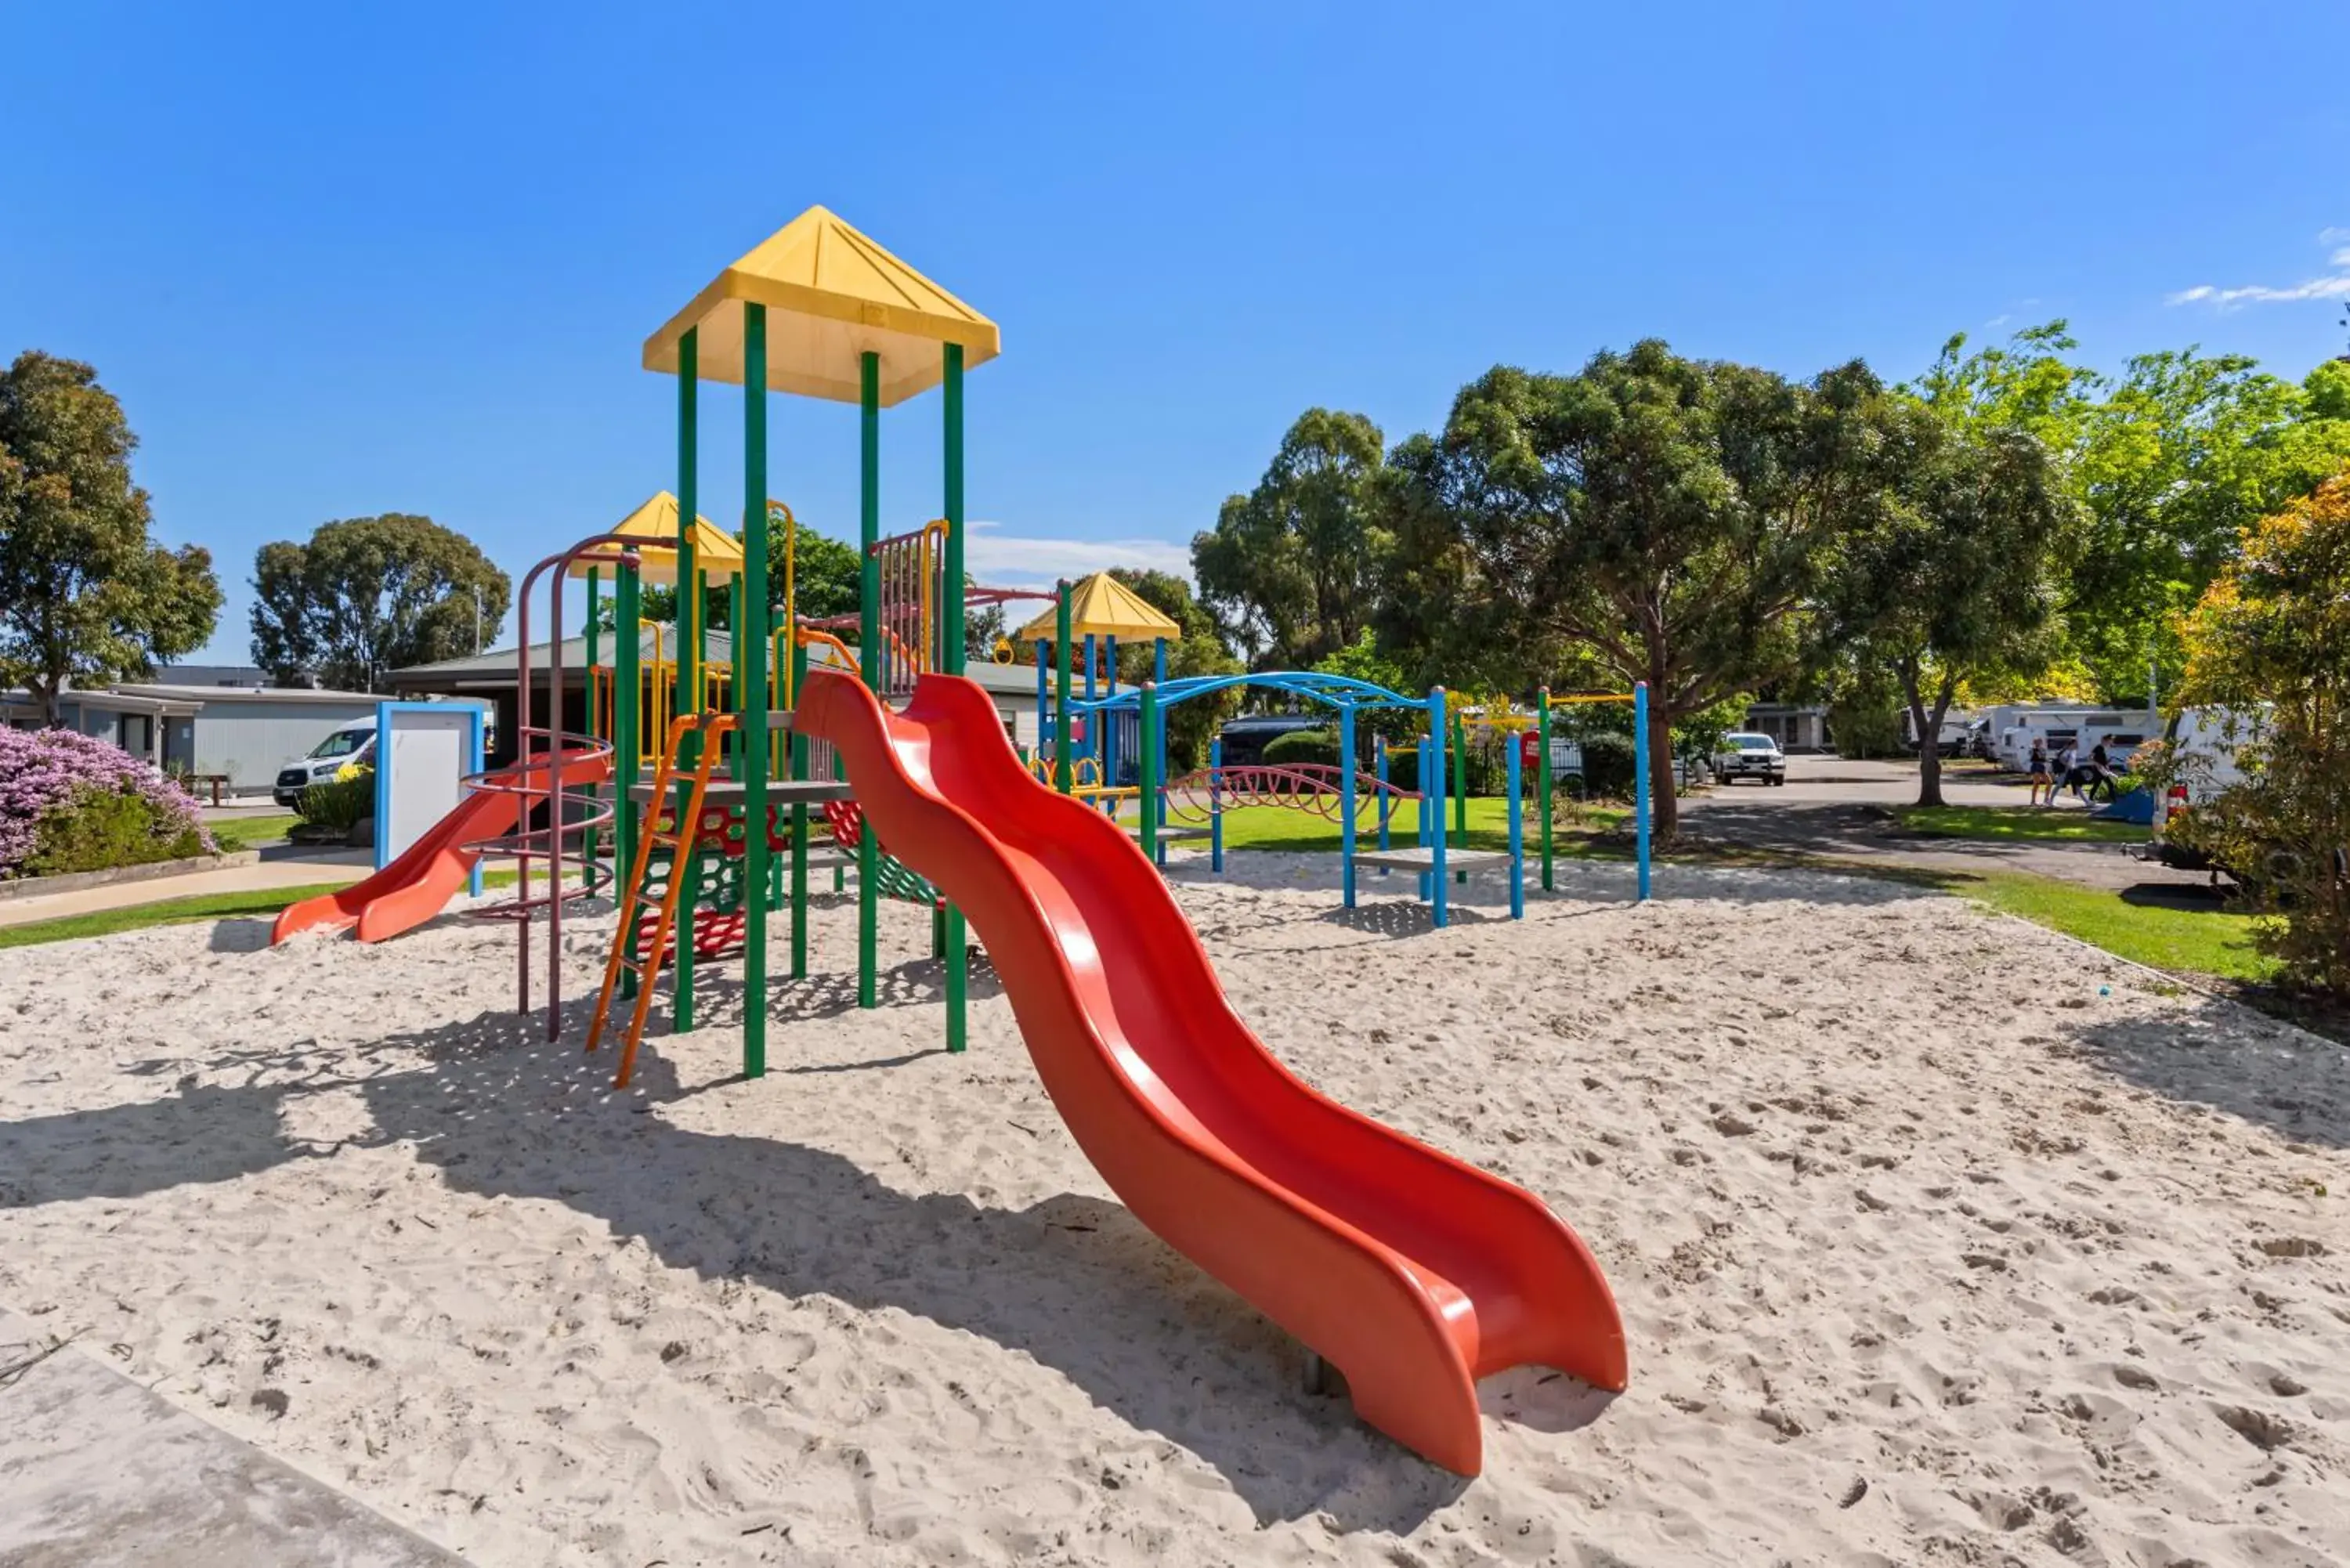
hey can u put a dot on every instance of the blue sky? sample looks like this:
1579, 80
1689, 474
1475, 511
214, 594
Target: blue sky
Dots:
338, 265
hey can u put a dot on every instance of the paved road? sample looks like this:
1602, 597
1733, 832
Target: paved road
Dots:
298, 870
95, 1469
1831, 807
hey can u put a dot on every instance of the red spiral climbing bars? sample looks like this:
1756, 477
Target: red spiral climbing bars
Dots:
540, 776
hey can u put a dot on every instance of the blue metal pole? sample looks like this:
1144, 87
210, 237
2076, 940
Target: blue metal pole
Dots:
1095, 739
1347, 805
1436, 863
1517, 832
1216, 806
1640, 778
1159, 678
1109, 727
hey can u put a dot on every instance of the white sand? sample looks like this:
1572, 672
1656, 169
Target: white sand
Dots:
1931, 1250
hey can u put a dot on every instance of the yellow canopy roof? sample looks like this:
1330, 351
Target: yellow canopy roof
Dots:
1101, 606
832, 295
716, 553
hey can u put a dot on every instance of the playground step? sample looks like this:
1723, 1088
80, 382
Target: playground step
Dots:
780, 792
1413, 857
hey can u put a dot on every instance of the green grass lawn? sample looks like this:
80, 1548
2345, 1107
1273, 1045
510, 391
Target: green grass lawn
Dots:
2197, 939
264, 902
245, 832
2217, 940
1279, 827
2016, 824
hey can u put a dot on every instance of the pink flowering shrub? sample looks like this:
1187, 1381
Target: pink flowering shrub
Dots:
70, 802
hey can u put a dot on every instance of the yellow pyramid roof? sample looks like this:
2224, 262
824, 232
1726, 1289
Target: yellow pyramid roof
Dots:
716, 553
832, 295
1101, 606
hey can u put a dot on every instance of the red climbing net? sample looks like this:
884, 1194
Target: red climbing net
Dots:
1312, 787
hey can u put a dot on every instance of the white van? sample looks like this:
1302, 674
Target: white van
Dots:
2204, 741
354, 743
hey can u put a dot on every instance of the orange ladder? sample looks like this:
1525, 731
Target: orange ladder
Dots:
685, 824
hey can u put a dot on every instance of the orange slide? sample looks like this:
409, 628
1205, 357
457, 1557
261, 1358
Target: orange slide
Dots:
419, 882
1411, 1272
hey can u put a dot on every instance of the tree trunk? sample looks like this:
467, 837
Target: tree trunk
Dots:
1930, 733
1666, 807
1930, 770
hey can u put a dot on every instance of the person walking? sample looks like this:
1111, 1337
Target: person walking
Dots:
2068, 772
2040, 780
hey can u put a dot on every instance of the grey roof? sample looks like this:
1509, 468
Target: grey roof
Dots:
233, 695
211, 675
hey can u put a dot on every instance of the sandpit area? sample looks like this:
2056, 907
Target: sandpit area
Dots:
1939, 1238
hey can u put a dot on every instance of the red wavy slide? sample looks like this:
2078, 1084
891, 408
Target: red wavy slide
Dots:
419, 883
1411, 1272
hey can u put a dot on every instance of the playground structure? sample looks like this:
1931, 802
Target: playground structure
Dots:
1412, 1273
1195, 804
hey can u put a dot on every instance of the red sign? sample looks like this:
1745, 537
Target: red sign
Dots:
1530, 747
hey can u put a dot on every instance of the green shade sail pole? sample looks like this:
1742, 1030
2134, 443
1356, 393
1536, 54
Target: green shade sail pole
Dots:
1148, 781
1541, 777
950, 611
686, 672
750, 661
594, 725
628, 711
868, 655
735, 631
1461, 786
799, 751
951, 606
1061, 759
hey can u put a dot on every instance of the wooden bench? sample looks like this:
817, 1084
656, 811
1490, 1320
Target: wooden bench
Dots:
190, 781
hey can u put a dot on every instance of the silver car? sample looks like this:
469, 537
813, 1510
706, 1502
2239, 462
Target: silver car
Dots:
1742, 755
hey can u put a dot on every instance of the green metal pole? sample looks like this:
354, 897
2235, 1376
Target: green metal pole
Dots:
1461, 786
750, 670
687, 667
628, 713
1061, 758
869, 659
951, 610
735, 635
595, 636
799, 748
1543, 781
1150, 764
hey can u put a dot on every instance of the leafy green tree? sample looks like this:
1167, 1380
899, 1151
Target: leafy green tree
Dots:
86, 594
1363, 659
1666, 515
369, 595
825, 584
2171, 463
2272, 635
1955, 575
1292, 568
1200, 651
2185, 454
